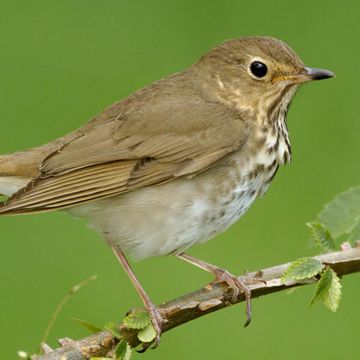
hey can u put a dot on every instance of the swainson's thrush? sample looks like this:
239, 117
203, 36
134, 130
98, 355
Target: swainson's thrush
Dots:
175, 163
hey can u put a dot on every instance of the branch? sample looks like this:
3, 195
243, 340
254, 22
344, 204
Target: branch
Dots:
193, 305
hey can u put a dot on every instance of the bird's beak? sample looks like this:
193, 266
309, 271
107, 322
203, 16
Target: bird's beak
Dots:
308, 74
318, 74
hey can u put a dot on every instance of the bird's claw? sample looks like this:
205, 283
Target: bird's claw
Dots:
237, 286
156, 321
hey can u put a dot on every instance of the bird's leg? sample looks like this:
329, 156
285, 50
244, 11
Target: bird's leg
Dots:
155, 317
222, 275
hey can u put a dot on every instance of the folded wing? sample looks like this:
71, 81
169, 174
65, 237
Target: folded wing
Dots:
153, 145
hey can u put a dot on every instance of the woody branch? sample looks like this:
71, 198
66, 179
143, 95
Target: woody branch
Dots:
191, 306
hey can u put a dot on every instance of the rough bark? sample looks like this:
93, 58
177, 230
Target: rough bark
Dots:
211, 297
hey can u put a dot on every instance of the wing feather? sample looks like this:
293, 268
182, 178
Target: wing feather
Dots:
141, 146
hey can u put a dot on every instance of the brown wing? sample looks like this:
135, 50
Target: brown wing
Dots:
149, 145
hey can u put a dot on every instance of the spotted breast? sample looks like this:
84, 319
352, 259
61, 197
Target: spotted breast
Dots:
193, 210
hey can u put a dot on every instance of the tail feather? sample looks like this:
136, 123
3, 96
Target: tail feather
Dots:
27, 163
9, 185
17, 169
23, 164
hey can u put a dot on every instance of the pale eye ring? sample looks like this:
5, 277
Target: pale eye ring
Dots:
258, 69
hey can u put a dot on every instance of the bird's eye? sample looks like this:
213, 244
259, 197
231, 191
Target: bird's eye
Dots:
258, 69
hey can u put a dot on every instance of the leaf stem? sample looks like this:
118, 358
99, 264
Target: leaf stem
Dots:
62, 303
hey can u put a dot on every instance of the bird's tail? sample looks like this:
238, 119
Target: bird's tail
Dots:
16, 170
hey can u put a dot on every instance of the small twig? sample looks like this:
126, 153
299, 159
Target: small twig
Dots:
60, 306
201, 302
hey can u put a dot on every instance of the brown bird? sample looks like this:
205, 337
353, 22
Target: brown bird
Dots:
175, 163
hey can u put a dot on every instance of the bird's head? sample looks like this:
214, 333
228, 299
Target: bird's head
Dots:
254, 72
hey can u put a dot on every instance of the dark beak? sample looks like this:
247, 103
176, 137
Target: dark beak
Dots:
318, 74
308, 74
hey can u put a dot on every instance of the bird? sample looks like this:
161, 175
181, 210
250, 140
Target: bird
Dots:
174, 163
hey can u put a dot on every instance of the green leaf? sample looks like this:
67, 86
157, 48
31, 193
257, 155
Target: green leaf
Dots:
123, 350
113, 328
328, 289
304, 268
100, 358
138, 319
321, 236
147, 334
92, 328
342, 214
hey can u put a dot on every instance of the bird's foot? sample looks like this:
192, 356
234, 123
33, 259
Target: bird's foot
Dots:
237, 285
156, 321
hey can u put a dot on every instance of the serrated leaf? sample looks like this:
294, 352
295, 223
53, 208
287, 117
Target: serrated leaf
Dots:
92, 328
304, 268
137, 320
113, 328
328, 289
123, 350
321, 236
342, 214
147, 334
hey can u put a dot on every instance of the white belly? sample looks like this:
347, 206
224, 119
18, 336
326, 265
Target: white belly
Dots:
170, 218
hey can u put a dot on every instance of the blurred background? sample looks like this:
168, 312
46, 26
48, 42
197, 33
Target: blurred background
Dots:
61, 62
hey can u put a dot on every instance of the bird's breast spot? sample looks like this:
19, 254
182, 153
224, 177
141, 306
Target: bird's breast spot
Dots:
236, 204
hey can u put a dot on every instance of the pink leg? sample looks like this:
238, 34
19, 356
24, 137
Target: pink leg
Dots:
223, 276
155, 316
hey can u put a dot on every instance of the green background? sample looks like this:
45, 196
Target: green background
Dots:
61, 62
